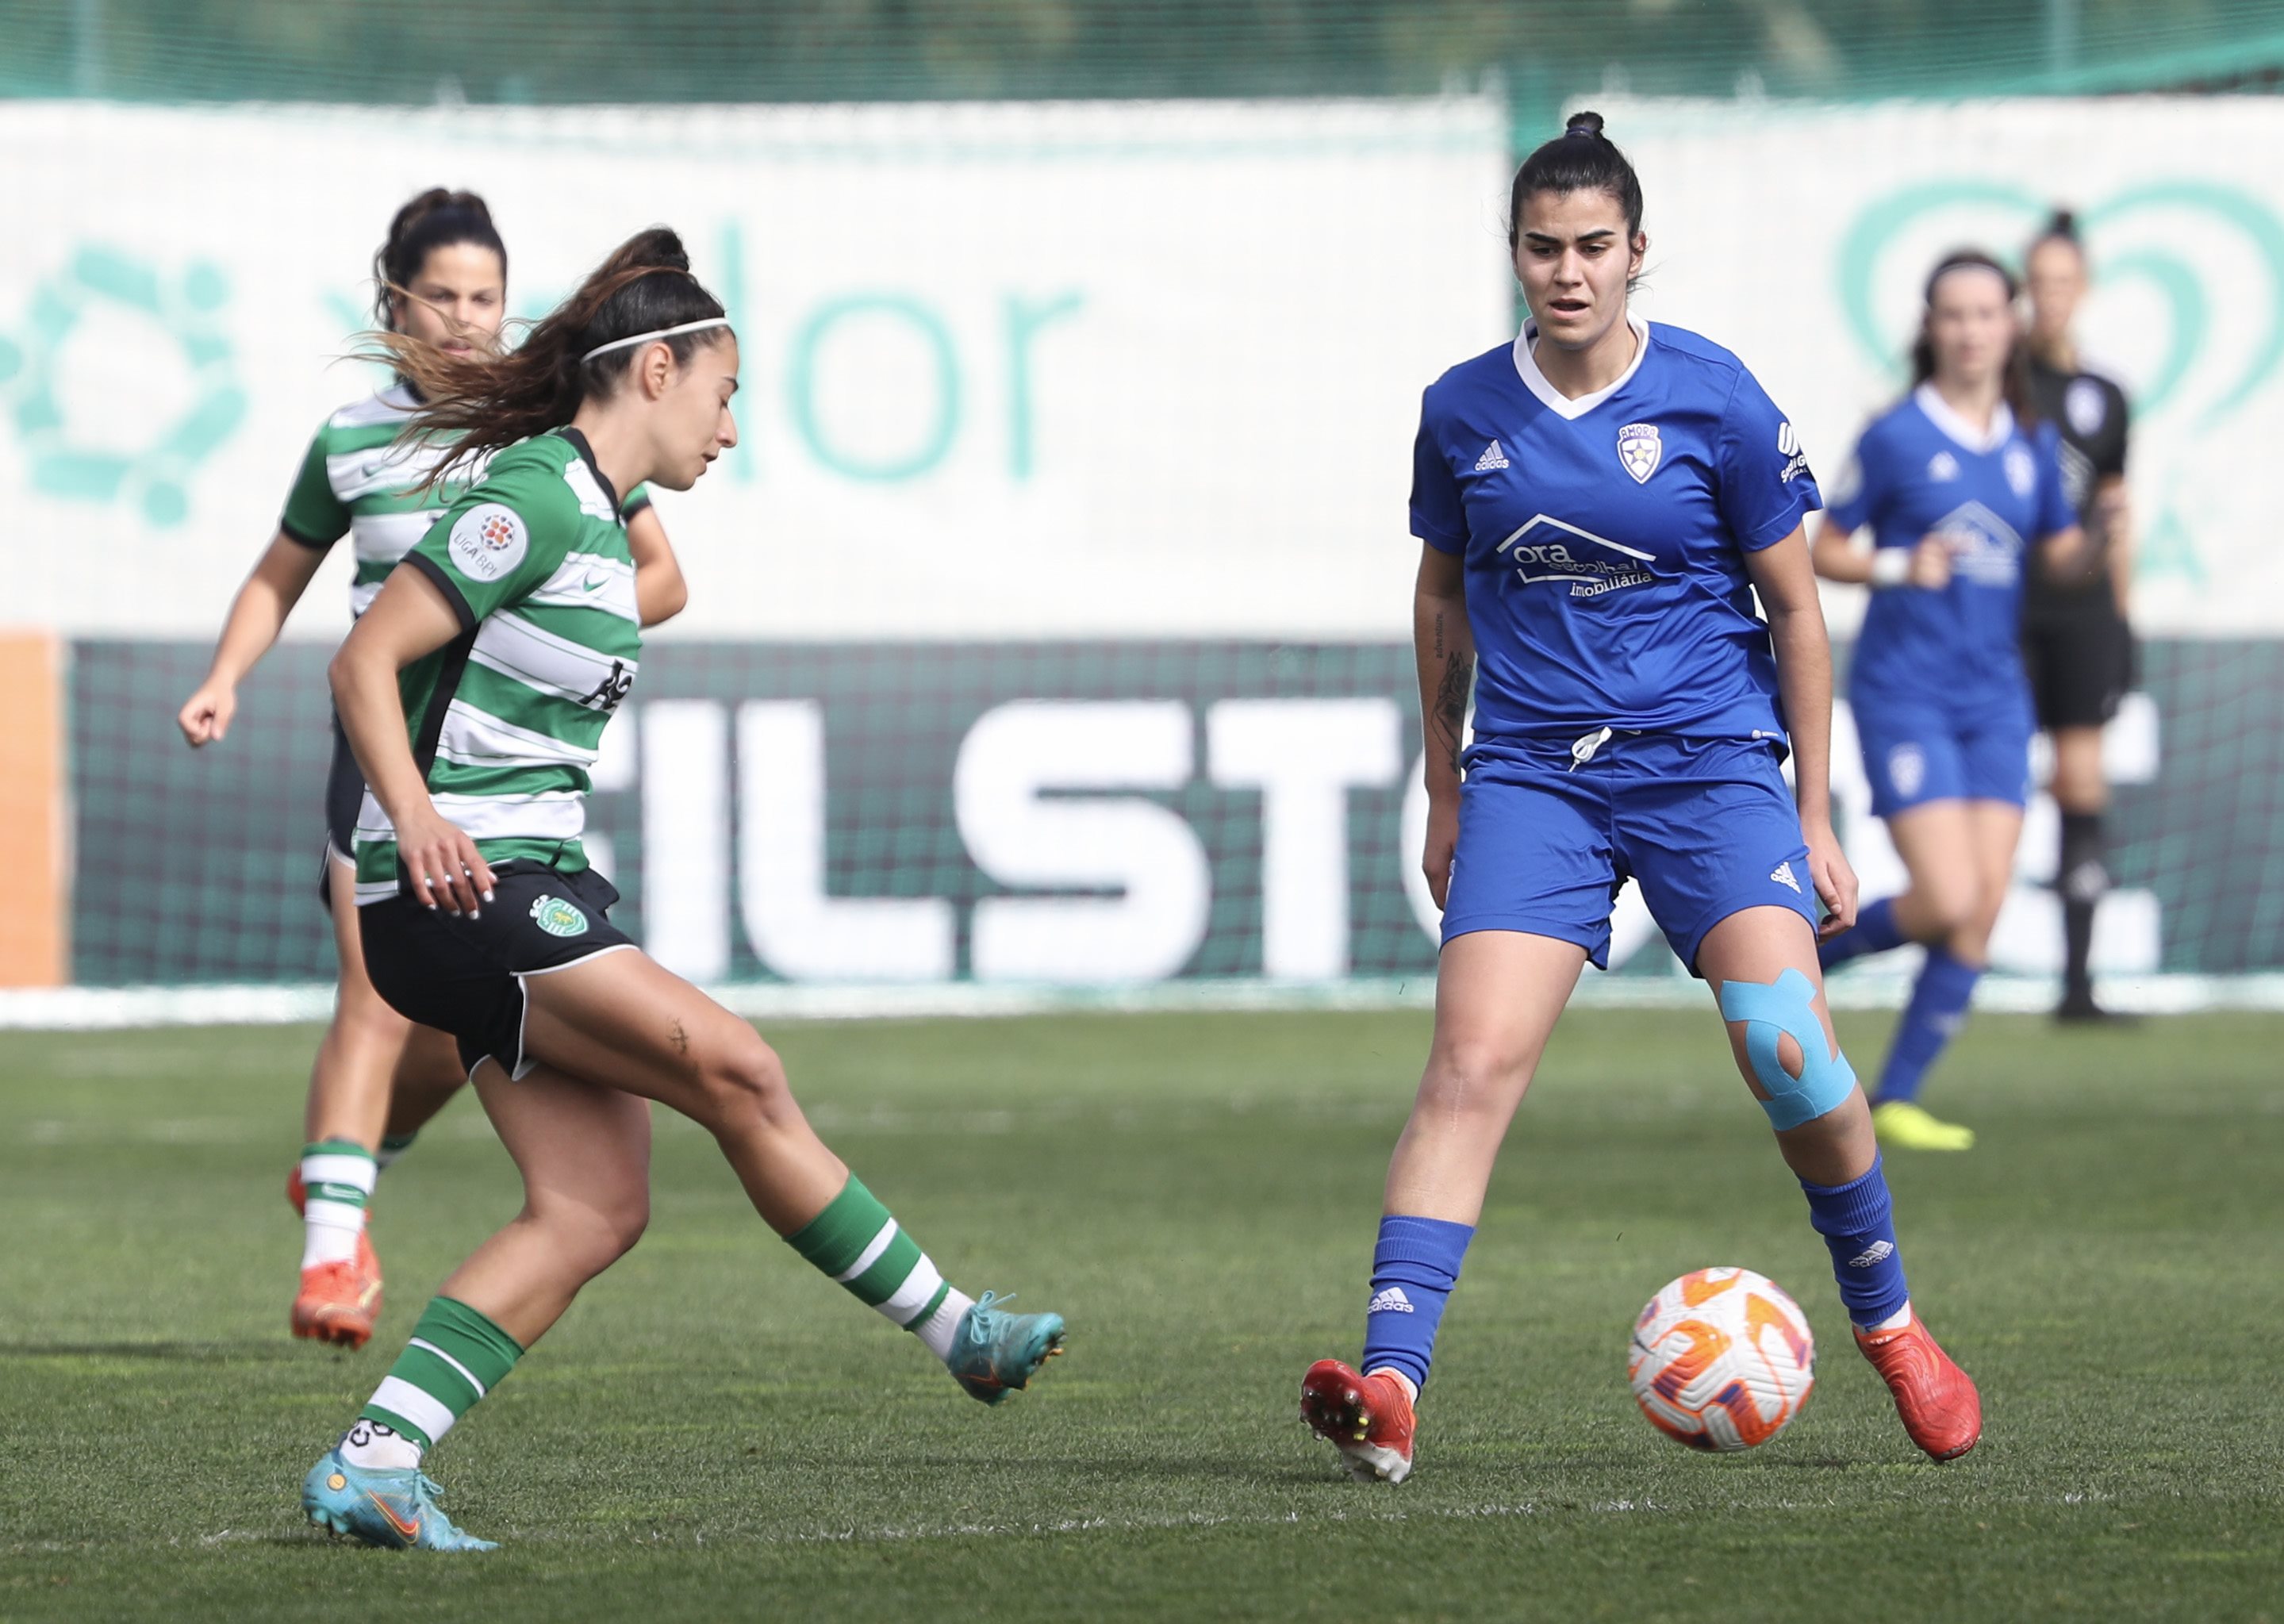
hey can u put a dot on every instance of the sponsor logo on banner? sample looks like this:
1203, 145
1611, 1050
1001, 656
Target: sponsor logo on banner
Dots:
1638, 449
488, 541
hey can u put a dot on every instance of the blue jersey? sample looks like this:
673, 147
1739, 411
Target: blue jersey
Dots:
1995, 495
1605, 538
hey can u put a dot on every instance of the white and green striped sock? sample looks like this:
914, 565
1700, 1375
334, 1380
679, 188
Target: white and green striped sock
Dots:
337, 1179
857, 1242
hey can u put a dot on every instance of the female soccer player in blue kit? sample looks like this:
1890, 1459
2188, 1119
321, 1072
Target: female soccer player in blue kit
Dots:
1598, 503
1961, 487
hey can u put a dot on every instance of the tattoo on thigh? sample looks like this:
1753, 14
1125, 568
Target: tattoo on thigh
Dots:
681, 1039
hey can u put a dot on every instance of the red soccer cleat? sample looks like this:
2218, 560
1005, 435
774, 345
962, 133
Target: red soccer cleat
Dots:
1941, 1410
323, 1301
1367, 1418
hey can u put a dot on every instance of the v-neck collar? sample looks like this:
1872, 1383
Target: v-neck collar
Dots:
1526, 367
579, 444
1958, 429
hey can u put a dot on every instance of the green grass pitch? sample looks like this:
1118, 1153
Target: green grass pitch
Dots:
714, 1432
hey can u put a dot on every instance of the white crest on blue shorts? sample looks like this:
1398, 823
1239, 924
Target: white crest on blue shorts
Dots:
1638, 449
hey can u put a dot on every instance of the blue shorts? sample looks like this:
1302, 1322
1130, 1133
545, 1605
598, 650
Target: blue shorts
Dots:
1915, 753
1707, 826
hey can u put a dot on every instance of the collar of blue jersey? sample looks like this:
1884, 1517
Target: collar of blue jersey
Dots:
1525, 366
1958, 430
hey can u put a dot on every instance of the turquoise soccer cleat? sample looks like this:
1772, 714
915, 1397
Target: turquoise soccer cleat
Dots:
396, 1510
996, 1353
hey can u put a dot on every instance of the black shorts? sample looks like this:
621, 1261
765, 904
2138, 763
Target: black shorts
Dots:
344, 800
466, 976
2080, 662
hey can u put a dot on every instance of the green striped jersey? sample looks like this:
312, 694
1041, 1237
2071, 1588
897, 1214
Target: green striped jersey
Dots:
505, 719
358, 482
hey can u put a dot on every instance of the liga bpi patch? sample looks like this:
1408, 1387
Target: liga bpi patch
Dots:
488, 541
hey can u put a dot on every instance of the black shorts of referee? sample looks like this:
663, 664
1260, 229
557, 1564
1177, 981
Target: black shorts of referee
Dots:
2079, 654
466, 976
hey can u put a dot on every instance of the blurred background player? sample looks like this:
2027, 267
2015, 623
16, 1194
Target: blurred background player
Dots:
1962, 488
440, 279
475, 692
1598, 504
2077, 644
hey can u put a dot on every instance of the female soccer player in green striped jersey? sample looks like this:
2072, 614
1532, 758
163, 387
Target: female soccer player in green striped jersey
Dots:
441, 282
474, 692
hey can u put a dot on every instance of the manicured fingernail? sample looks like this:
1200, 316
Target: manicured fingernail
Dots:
475, 913
488, 896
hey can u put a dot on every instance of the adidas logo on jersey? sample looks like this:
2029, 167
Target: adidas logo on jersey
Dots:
1782, 874
1492, 457
1391, 1301
1878, 1251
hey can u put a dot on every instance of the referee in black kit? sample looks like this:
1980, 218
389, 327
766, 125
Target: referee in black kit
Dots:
2075, 642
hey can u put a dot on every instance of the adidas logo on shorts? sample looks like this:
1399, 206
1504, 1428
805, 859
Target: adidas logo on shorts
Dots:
1391, 1301
1782, 875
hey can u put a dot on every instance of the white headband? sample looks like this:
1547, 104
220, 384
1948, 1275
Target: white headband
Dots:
645, 337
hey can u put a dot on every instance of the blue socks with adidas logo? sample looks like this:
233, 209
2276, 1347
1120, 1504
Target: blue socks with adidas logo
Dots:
1414, 1266
1858, 1222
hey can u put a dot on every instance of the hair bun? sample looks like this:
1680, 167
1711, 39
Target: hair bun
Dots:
1583, 124
658, 249
2064, 224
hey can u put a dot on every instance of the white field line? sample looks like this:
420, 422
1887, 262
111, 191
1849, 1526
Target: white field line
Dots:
89, 1009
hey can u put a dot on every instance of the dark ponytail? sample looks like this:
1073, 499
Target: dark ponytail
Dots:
435, 219
2015, 385
1581, 159
2061, 227
486, 402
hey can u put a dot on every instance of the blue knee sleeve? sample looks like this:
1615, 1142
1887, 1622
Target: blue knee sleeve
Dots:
1788, 1010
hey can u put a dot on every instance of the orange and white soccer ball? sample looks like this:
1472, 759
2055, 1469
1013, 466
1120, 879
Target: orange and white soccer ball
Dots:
1721, 1360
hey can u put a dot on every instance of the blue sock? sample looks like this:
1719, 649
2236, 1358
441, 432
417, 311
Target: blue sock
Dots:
1858, 1225
1413, 1268
1938, 1007
1875, 931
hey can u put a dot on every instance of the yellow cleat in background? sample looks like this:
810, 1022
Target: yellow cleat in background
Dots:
1900, 1123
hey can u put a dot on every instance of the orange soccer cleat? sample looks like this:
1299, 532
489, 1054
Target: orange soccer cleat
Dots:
1940, 1407
332, 1307
1367, 1418
338, 1304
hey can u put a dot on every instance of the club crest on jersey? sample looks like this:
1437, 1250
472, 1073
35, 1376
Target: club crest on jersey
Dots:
487, 542
1638, 449
559, 918
2022, 470
2085, 406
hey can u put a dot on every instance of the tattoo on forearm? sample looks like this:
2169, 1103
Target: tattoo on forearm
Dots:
1450, 717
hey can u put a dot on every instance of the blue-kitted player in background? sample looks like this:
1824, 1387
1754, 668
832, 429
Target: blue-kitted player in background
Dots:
1598, 502
1962, 488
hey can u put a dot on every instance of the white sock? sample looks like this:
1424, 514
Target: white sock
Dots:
371, 1445
1896, 1321
938, 1329
337, 1180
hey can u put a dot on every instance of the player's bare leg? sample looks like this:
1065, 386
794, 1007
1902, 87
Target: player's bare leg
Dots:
1497, 995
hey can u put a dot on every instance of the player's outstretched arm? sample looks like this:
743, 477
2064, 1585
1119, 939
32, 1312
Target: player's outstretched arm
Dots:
1444, 645
412, 618
257, 614
1786, 580
661, 593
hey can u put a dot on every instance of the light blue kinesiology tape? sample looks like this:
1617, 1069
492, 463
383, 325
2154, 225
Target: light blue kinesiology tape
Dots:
1787, 1008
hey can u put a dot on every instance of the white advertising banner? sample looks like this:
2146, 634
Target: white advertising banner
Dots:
1009, 370
1801, 238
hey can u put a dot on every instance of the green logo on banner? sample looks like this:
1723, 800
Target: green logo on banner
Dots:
2169, 272
84, 462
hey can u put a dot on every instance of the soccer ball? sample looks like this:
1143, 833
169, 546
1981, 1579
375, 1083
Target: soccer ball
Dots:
1721, 1360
